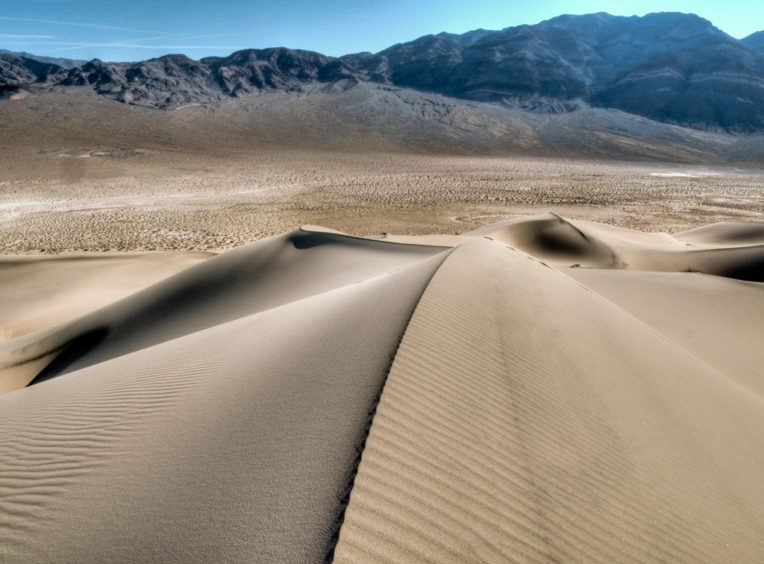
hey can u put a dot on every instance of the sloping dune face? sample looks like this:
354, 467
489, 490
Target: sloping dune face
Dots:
241, 282
718, 320
527, 419
38, 292
735, 250
503, 407
727, 233
551, 236
224, 422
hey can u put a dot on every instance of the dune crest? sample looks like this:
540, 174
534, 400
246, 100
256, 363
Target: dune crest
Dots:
459, 398
732, 250
551, 236
232, 440
240, 282
524, 420
726, 233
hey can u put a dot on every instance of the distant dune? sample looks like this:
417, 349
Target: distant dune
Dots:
732, 250
542, 389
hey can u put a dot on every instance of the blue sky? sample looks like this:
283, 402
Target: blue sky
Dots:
141, 29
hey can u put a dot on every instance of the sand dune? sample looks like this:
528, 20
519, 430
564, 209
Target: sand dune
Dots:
527, 419
551, 236
244, 281
231, 440
726, 233
529, 411
716, 319
734, 250
38, 292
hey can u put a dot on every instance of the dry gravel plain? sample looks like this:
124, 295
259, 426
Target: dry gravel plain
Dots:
128, 199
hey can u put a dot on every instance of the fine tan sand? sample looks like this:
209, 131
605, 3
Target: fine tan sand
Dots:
585, 244
716, 319
528, 419
37, 292
542, 389
218, 416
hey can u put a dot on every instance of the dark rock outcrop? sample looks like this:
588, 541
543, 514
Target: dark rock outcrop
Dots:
249, 71
58, 61
16, 70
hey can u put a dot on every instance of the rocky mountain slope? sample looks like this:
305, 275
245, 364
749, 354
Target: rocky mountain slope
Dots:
670, 67
755, 42
676, 68
60, 61
365, 118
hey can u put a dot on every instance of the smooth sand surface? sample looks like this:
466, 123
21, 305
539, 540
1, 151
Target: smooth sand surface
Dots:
718, 320
717, 250
233, 441
243, 281
527, 419
529, 411
40, 291
727, 233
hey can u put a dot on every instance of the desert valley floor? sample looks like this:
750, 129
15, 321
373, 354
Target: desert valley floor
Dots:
131, 199
303, 355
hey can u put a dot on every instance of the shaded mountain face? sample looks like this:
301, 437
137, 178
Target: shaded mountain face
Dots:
61, 62
675, 68
248, 72
169, 81
755, 42
17, 71
671, 67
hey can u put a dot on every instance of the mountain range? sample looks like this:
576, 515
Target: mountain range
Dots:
670, 67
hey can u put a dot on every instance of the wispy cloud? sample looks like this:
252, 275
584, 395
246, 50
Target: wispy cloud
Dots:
75, 24
16, 36
352, 15
140, 46
175, 41
73, 46
182, 36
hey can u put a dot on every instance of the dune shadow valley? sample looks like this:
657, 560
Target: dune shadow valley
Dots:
487, 297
